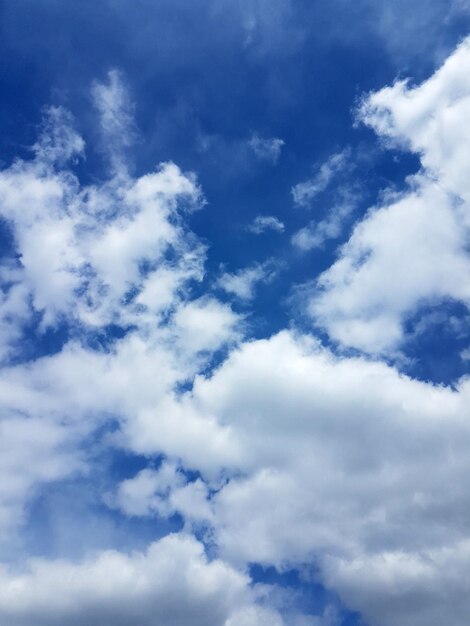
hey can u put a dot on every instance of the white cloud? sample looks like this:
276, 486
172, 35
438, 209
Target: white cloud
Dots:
332, 459
163, 492
465, 354
342, 461
413, 249
58, 141
82, 249
243, 283
113, 252
316, 233
430, 119
304, 193
204, 325
117, 120
32, 451
266, 149
353, 467
15, 311
341, 202
410, 589
171, 583
263, 223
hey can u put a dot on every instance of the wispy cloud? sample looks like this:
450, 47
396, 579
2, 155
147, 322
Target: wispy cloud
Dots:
243, 282
266, 149
264, 223
316, 234
305, 192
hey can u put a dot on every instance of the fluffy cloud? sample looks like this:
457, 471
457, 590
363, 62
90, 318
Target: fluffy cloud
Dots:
343, 462
429, 588
171, 583
82, 251
88, 256
412, 250
164, 492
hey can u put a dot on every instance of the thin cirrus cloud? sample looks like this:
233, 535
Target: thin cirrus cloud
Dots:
281, 451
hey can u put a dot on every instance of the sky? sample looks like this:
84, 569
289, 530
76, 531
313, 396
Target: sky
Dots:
234, 313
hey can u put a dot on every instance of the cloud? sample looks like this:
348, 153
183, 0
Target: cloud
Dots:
304, 193
171, 583
428, 589
315, 234
82, 249
411, 250
242, 283
33, 450
414, 32
343, 197
163, 492
360, 461
266, 149
465, 354
87, 257
264, 223
116, 119
346, 463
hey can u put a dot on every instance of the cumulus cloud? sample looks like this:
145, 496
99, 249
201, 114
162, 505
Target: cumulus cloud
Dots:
164, 492
338, 461
82, 250
88, 256
348, 463
412, 249
171, 583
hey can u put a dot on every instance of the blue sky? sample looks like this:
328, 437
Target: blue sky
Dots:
234, 313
